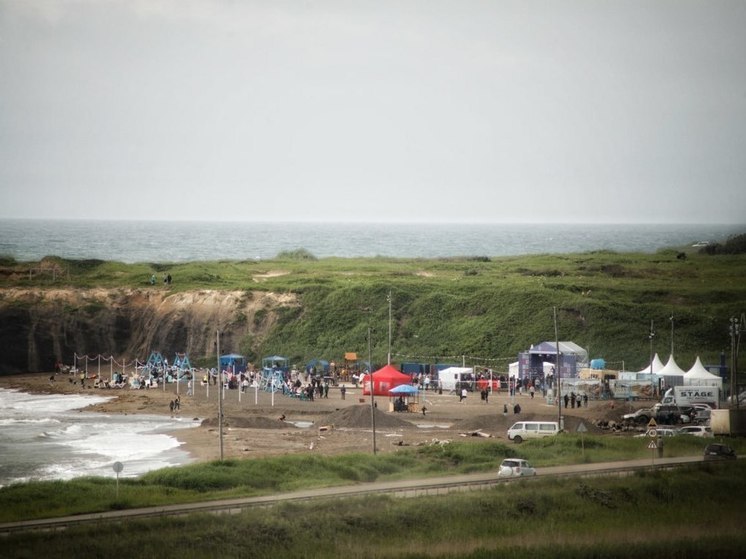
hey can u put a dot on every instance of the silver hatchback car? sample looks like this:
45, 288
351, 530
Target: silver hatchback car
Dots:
515, 467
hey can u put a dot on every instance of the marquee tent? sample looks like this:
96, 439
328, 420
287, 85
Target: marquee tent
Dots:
657, 366
672, 373
699, 376
384, 379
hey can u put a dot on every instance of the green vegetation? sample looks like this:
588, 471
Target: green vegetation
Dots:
490, 308
247, 478
650, 514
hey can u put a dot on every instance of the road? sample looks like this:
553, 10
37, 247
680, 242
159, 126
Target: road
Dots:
402, 488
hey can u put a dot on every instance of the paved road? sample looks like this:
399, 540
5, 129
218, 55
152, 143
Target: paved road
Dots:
404, 488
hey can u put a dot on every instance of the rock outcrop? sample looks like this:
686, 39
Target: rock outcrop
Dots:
41, 326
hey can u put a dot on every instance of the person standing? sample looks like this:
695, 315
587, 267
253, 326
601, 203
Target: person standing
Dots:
343, 391
463, 395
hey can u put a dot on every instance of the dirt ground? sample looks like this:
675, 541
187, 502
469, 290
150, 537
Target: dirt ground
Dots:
261, 424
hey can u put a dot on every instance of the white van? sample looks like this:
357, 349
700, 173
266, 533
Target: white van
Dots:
532, 429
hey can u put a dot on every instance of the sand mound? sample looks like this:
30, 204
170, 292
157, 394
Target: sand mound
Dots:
252, 422
358, 417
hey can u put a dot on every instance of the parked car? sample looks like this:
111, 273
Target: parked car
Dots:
671, 414
641, 416
515, 467
697, 431
659, 432
701, 413
532, 429
718, 451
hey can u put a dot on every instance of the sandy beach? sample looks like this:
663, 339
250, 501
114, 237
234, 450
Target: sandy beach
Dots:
258, 424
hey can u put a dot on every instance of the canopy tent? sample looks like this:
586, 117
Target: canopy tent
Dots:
565, 348
404, 389
657, 366
321, 366
405, 397
384, 380
671, 374
699, 376
275, 362
233, 361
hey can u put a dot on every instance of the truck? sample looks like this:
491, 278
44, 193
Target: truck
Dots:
689, 395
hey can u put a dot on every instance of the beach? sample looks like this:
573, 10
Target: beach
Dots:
259, 424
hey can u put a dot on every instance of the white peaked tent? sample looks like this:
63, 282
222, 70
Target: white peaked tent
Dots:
699, 376
657, 366
672, 374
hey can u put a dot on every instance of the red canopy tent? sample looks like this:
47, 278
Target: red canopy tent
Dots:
384, 379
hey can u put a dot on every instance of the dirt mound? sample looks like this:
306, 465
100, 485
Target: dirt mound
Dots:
358, 417
252, 422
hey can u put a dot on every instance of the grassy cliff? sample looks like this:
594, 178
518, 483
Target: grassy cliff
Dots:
487, 309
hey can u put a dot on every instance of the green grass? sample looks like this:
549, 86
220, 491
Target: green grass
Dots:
445, 308
696, 512
244, 478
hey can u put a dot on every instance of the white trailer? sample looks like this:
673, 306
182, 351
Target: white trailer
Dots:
688, 395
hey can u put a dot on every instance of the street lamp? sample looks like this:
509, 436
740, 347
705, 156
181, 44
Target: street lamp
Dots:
220, 397
736, 327
372, 399
651, 335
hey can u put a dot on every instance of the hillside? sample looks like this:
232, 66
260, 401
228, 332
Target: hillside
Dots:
485, 309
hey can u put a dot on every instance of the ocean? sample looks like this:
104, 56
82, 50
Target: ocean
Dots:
181, 241
48, 437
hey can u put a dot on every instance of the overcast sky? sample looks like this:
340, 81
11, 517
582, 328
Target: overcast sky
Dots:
487, 111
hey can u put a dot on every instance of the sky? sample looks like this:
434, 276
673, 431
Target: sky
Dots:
588, 111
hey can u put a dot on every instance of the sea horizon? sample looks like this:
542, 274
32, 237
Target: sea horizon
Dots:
131, 241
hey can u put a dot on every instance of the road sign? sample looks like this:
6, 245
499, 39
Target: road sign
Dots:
652, 433
118, 467
652, 445
582, 428
652, 423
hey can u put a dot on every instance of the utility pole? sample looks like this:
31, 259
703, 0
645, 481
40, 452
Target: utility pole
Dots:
372, 399
651, 336
736, 326
220, 398
558, 372
389, 354
672, 335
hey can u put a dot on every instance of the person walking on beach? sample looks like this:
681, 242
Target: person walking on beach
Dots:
171, 406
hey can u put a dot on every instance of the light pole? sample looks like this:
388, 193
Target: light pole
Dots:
372, 399
388, 362
220, 397
558, 372
671, 335
651, 336
735, 337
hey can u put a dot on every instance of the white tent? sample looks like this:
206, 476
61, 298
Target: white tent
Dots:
672, 374
699, 376
657, 366
513, 370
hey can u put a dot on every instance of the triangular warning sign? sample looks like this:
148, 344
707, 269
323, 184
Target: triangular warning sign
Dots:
652, 445
652, 423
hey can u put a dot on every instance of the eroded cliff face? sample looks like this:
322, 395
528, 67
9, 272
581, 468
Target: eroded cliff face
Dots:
40, 326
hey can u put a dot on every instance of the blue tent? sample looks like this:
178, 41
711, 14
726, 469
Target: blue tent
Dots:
404, 389
233, 361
